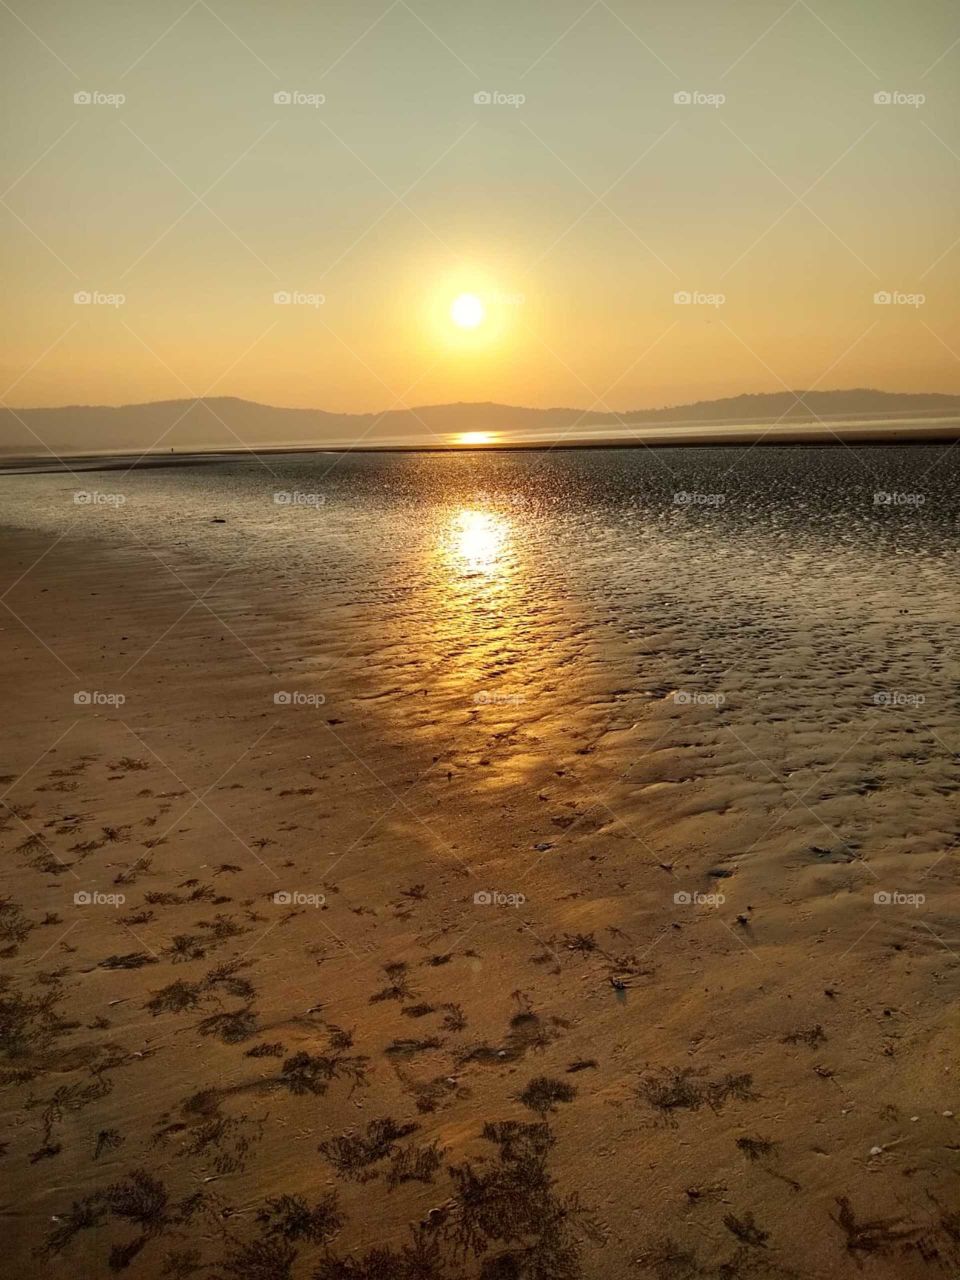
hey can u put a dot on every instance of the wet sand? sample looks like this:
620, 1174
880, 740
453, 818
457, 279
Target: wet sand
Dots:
676, 1034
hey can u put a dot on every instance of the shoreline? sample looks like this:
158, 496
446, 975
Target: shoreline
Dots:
771, 436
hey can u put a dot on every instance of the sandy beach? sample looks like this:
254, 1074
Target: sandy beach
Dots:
462, 934
480, 641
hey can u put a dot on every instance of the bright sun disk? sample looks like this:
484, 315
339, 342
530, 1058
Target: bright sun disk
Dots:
467, 311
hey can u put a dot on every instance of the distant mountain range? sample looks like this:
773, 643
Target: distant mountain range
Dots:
224, 422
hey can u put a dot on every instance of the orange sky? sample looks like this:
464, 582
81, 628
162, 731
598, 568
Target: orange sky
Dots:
576, 214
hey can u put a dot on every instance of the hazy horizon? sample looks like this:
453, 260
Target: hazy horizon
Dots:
373, 409
777, 202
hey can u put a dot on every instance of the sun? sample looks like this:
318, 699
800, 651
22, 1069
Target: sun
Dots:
467, 311
474, 437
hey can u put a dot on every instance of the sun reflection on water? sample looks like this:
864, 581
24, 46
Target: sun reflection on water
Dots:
477, 541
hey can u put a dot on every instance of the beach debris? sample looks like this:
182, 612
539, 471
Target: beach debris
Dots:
874, 1236
811, 1036
132, 960
746, 1230
878, 1151
543, 1094
832, 855
582, 942
756, 1148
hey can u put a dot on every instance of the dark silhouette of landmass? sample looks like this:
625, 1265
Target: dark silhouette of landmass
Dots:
228, 423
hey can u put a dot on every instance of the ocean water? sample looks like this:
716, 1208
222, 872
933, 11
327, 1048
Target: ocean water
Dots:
747, 568
801, 524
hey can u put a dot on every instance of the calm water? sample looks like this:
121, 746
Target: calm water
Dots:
716, 539
602, 518
851, 552
773, 489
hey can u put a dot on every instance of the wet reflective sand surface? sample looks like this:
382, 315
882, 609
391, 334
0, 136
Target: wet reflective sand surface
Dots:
532, 865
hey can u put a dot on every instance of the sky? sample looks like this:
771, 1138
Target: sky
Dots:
629, 249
